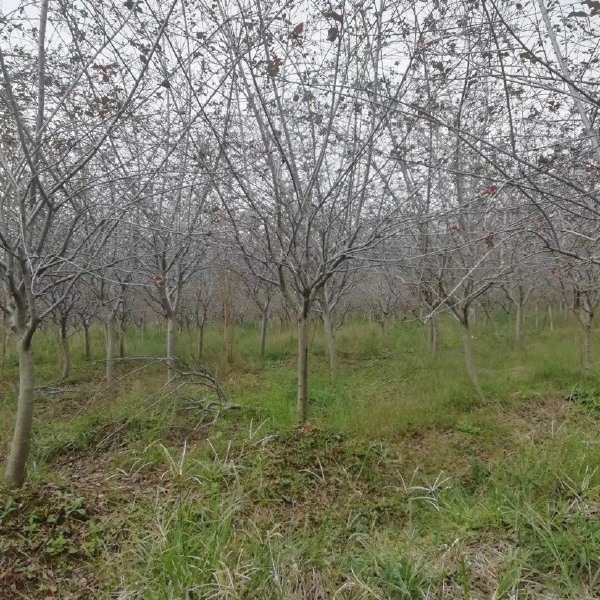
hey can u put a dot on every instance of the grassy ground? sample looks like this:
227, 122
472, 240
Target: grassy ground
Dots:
404, 485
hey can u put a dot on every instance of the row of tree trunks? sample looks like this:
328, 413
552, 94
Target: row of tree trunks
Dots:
111, 337
24, 419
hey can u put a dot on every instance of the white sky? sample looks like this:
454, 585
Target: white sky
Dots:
7, 6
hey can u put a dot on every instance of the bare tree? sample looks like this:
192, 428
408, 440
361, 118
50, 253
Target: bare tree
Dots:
304, 184
44, 156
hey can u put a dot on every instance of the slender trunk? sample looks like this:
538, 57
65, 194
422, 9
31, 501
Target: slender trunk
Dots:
66, 351
200, 349
433, 335
263, 332
86, 339
519, 325
550, 317
5, 334
302, 405
537, 316
121, 341
228, 315
110, 349
469, 358
228, 332
171, 354
19, 450
587, 347
330, 339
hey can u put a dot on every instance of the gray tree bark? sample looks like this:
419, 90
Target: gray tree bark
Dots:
519, 318
330, 340
588, 353
121, 341
5, 334
109, 329
263, 332
200, 348
14, 475
86, 339
469, 355
66, 350
302, 401
171, 352
433, 335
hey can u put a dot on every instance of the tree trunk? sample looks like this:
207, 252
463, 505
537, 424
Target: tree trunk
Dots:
433, 335
330, 339
587, 348
171, 353
550, 317
200, 349
263, 332
19, 450
469, 358
229, 334
519, 325
5, 334
66, 350
121, 341
228, 330
110, 349
228, 314
302, 405
86, 338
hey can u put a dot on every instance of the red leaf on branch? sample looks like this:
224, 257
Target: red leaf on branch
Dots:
297, 31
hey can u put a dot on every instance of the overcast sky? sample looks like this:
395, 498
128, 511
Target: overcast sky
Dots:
7, 6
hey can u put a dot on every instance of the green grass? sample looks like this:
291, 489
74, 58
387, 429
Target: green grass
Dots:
405, 485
